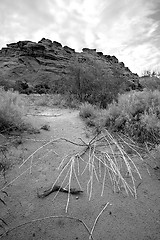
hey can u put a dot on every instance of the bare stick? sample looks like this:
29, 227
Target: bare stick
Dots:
83, 141
99, 165
62, 161
104, 178
131, 147
91, 180
76, 176
31, 165
96, 220
69, 183
125, 160
14, 179
77, 158
49, 217
61, 184
94, 169
88, 185
51, 141
91, 141
77, 144
91, 176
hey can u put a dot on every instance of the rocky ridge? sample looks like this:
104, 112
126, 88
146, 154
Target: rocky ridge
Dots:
48, 62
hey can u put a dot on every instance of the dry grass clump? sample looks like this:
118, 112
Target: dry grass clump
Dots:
11, 110
102, 159
87, 110
90, 114
136, 114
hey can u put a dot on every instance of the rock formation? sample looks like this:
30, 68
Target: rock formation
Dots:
58, 67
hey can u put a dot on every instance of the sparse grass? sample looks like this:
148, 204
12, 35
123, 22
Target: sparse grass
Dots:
137, 114
11, 121
93, 116
87, 110
11, 111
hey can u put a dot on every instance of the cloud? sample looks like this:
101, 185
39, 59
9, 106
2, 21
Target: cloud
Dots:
128, 29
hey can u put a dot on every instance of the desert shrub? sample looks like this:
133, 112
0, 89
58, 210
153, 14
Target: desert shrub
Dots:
11, 109
136, 114
92, 82
21, 86
87, 110
71, 101
150, 82
42, 88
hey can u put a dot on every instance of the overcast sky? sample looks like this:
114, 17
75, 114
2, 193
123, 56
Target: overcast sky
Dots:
128, 29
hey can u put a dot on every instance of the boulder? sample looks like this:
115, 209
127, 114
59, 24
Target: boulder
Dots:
89, 50
68, 49
46, 42
100, 54
57, 44
111, 59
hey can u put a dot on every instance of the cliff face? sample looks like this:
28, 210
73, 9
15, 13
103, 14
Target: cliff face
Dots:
49, 63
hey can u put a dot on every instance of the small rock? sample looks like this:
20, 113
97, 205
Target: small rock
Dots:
45, 127
156, 168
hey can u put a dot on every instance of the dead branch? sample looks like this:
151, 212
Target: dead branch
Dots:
51, 189
45, 218
96, 220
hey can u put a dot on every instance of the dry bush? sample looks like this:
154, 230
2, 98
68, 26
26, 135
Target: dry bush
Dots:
11, 119
87, 110
136, 114
11, 110
150, 83
103, 159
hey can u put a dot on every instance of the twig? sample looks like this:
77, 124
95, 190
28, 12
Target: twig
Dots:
77, 144
90, 142
131, 147
96, 220
76, 175
83, 141
69, 183
21, 174
51, 141
104, 178
49, 217
15, 179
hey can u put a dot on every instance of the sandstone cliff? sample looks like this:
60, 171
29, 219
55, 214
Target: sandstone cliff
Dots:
49, 66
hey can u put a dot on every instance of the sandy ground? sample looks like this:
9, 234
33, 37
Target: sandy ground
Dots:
125, 218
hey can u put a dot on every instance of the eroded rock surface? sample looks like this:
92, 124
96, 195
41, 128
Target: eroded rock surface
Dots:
48, 62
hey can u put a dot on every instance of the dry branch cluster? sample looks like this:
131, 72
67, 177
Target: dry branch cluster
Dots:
103, 158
